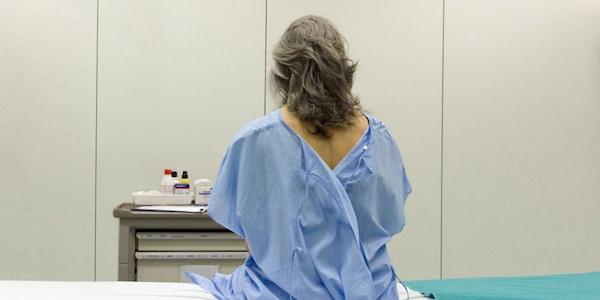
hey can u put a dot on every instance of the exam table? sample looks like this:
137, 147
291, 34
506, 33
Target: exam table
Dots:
101, 290
115, 290
584, 286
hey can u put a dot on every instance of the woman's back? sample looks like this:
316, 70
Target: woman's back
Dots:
333, 148
312, 232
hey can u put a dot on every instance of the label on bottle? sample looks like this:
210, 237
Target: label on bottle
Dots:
165, 188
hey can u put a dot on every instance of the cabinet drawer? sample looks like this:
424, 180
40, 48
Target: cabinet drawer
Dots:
189, 241
171, 266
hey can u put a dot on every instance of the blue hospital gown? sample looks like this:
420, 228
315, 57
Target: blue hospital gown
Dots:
312, 232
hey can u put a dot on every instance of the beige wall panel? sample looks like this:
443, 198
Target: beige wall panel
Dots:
398, 44
177, 79
47, 121
521, 137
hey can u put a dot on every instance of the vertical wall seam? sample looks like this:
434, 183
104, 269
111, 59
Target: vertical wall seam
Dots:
96, 150
265, 74
442, 145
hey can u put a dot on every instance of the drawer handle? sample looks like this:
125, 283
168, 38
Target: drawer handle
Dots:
190, 255
187, 236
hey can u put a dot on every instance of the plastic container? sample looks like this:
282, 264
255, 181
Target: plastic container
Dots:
202, 190
166, 184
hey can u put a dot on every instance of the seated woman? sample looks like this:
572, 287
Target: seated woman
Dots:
315, 188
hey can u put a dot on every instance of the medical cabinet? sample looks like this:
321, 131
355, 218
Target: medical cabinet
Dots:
162, 246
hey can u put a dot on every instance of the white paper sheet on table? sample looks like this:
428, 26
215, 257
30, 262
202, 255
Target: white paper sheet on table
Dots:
412, 294
173, 208
119, 290
101, 290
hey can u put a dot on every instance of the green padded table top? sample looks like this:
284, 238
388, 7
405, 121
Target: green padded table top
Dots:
581, 286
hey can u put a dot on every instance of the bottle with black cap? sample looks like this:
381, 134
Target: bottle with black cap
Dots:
183, 187
174, 179
184, 178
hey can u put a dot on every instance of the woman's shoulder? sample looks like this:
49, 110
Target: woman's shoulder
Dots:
257, 126
378, 128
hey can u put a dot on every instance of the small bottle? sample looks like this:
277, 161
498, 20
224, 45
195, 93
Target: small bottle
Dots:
184, 178
174, 179
183, 187
166, 185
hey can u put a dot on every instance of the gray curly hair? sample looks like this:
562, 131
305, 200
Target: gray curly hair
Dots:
312, 75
